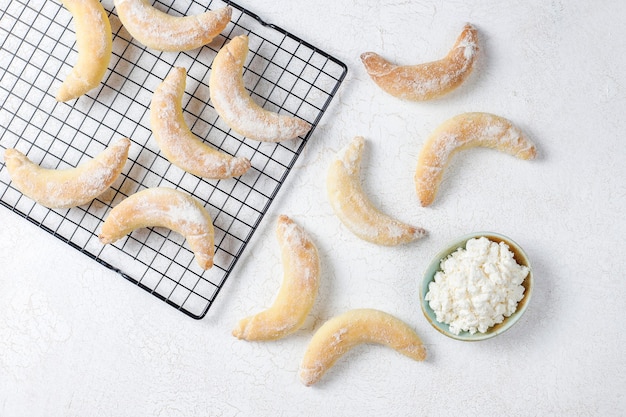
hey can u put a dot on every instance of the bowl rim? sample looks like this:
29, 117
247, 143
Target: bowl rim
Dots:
434, 266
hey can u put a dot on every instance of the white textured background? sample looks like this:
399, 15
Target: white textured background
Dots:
78, 340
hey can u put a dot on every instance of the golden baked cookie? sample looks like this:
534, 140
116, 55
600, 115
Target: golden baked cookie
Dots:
64, 188
168, 208
94, 44
345, 331
428, 80
301, 273
163, 32
465, 131
353, 207
235, 106
177, 143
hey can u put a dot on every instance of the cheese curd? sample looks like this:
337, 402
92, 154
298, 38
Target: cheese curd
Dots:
477, 286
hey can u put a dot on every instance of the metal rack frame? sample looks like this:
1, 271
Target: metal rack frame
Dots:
283, 73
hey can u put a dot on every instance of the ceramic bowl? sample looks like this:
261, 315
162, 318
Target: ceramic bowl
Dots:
429, 276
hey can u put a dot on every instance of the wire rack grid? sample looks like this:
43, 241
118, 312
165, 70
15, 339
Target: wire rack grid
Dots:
283, 73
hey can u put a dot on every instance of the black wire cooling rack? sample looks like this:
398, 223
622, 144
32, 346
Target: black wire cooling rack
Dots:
283, 73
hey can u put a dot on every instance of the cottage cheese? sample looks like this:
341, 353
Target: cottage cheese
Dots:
477, 287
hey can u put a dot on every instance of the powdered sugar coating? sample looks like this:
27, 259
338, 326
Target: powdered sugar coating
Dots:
235, 106
163, 32
168, 208
298, 290
94, 44
462, 132
429, 80
67, 187
179, 145
345, 331
354, 209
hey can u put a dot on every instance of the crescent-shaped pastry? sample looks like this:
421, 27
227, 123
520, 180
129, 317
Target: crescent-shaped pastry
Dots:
64, 188
429, 80
179, 145
168, 208
354, 209
163, 32
233, 104
465, 131
343, 332
301, 266
94, 44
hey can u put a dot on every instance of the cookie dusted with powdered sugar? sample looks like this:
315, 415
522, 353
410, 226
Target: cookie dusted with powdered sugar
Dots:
465, 131
428, 80
235, 106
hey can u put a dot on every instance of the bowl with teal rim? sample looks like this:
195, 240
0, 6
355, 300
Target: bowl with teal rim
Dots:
435, 266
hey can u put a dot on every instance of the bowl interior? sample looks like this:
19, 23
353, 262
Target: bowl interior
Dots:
429, 276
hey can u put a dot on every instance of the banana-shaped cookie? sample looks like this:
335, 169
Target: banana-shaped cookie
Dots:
343, 332
429, 80
64, 188
233, 104
465, 131
94, 43
179, 145
354, 209
163, 32
164, 207
297, 293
